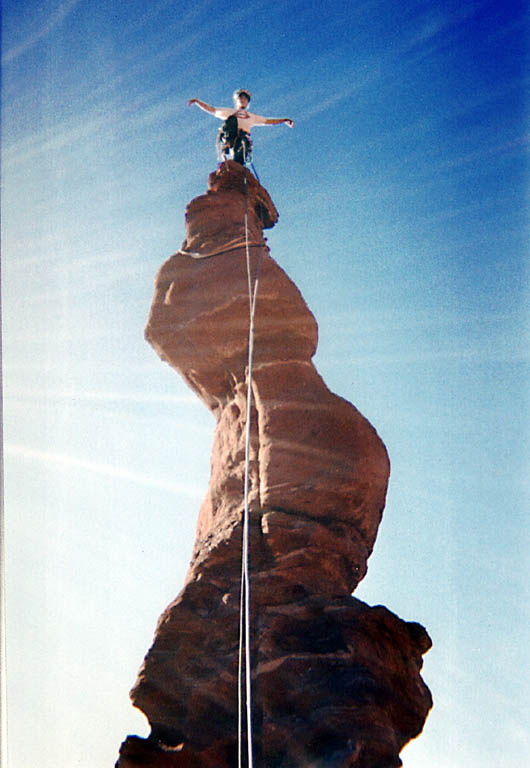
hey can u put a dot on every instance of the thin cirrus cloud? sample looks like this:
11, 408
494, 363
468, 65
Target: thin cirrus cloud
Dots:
66, 463
42, 32
140, 398
429, 35
92, 129
437, 22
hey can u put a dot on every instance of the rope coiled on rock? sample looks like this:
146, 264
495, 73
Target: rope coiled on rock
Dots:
232, 245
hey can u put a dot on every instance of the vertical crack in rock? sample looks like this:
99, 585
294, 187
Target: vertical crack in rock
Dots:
335, 681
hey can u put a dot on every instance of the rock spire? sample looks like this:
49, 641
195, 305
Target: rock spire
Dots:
336, 683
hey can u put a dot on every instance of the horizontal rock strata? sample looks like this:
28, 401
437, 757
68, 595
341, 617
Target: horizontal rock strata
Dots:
335, 682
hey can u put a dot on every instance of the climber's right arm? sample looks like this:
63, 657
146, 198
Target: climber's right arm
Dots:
203, 105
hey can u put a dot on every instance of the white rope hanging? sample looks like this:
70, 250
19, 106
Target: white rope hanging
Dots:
244, 606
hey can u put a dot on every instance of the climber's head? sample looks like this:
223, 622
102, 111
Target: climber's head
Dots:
241, 97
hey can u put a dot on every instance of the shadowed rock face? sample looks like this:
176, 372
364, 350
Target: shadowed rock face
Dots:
335, 682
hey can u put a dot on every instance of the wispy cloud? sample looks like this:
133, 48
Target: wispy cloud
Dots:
95, 127
46, 28
75, 396
426, 33
66, 463
435, 23
518, 143
396, 338
52, 140
452, 354
355, 84
378, 320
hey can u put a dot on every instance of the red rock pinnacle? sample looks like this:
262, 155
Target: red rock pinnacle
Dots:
335, 682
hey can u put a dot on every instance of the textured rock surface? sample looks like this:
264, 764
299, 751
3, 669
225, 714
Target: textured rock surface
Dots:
335, 682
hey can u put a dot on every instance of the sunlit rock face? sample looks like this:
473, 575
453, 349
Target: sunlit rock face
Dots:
335, 681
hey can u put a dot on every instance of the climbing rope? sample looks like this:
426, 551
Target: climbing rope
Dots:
231, 245
244, 605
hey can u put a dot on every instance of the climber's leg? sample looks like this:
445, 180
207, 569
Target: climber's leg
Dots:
242, 148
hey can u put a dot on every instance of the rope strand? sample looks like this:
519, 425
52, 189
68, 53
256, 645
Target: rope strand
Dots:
244, 606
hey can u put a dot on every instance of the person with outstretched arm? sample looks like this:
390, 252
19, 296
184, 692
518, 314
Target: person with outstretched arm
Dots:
234, 134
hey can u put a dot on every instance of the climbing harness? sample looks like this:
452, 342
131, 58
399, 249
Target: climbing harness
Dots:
244, 605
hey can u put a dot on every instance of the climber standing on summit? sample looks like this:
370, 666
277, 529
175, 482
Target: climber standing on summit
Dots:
234, 134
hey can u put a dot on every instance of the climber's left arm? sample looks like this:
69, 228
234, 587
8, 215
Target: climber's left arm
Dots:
278, 120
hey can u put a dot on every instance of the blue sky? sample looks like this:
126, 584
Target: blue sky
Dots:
402, 191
